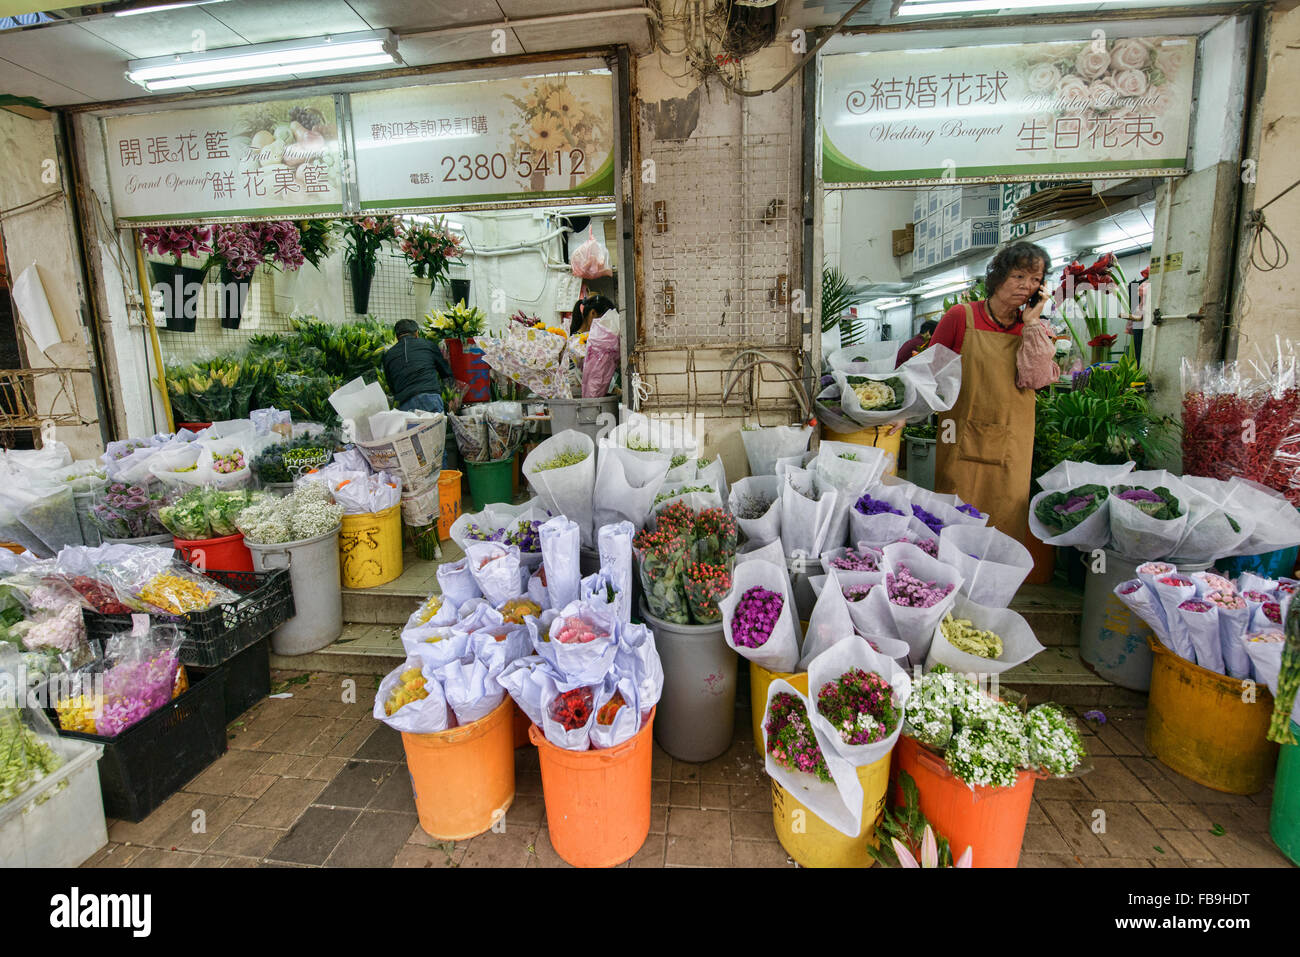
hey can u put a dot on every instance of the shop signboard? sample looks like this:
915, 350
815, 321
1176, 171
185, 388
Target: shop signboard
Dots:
276, 159
492, 141
1098, 108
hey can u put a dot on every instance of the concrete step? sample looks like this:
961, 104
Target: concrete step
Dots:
393, 603
1060, 675
1054, 611
362, 649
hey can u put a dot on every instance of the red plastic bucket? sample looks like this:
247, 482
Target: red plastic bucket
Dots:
989, 820
225, 554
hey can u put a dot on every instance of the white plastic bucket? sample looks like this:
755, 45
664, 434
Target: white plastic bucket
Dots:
313, 565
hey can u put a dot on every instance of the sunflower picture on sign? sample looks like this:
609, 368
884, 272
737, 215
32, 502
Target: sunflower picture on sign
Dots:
556, 134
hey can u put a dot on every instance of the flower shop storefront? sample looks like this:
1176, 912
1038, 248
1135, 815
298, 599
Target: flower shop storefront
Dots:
269, 241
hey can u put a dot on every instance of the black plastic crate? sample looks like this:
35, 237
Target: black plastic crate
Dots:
215, 635
152, 760
248, 677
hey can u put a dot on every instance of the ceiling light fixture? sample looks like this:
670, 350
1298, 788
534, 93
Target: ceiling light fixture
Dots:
944, 290
1127, 244
266, 60
911, 8
883, 304
158, 8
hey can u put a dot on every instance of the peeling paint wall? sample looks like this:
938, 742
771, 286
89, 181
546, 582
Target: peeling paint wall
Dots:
44, 236
679, 116
1266, 307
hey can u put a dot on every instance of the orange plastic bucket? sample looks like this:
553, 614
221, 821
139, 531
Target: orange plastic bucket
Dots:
521, 726
989, 820
597, 801
226, 554
463, 778
448, 501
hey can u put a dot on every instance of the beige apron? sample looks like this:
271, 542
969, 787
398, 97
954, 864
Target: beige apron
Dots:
988, 466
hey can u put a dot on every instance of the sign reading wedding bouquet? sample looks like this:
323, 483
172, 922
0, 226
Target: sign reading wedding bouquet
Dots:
1103, 107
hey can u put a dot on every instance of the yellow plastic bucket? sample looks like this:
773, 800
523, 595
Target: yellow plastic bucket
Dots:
759, 679
814, 843
1199, 725
879, 437
370, 548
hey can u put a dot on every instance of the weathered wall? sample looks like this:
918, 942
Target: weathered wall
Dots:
1266, 305
728, 143
44, 236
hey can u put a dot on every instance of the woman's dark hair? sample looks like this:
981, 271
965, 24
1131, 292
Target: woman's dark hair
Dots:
596, 305
1015, 256
928, 327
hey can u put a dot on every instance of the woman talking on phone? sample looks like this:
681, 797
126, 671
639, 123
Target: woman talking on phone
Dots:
987, 463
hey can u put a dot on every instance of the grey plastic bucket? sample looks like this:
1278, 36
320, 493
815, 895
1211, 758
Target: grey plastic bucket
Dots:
1113, 640
313, 565
920, 462
696, 715
84, 502
166, 538
585, 415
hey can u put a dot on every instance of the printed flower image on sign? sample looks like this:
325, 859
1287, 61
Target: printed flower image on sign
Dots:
278, 157
485, 142
1094, 106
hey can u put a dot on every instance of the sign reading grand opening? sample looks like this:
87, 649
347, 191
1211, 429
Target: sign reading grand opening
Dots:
274, 159
485, 142
1096, 107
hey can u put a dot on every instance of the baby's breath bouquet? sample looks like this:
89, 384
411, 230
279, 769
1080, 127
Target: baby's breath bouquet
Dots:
987, 742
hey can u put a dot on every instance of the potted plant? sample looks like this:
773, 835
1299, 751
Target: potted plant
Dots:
363, 239
457, 327
837, 298
238, 250
429, 248
177, 280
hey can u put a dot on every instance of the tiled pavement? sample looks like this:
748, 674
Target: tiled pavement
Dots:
311, 781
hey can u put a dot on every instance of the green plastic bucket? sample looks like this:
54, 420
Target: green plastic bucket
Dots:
491, 481
1284, 822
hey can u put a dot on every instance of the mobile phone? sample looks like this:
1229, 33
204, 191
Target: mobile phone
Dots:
1036, 298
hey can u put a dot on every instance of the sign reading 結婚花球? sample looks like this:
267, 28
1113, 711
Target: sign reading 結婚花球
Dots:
1097, 108
485, 142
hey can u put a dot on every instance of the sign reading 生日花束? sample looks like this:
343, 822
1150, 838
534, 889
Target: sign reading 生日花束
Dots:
274, 159
485, 142
1100, 107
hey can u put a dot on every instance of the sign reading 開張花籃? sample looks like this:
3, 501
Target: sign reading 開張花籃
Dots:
1095, 107
278, 158
485, 142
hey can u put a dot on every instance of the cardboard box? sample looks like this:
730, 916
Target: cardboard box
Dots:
904, 240
919, 257
918, 206
932, 202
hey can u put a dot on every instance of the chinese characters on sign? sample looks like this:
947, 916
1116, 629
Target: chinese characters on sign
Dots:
1073, 132
1103, 107
928, 92
429, 129
280, 157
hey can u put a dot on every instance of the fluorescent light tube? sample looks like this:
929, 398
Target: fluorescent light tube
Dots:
944, 290
267, 72
889, 303
265, 60
165, 6
1123, 244
986, 6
